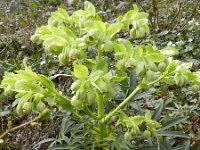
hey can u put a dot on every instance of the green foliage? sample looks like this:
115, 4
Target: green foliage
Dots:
75, 39
32, 91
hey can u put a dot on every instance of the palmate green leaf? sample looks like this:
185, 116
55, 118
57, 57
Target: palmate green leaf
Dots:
173, 122
140, 66
140, 32
148, 116
107, 77
108, 46
46, 82
80, 71
101, 26
50, 99
58, 18
89, 8
9, 79
43, 30
132, 33
155, 57
70, 33
63, 13
138, 20
102, 64
139, 52
126, 43
113, 29
158, 112
169, 51
174, 134
94, 76
168, 80
54, 43
141, 17
27, 86
171, 67
120, 50
190, 75
118, 79
129, 15
56, 38
28, 75
137, 119
25, 98
65, 106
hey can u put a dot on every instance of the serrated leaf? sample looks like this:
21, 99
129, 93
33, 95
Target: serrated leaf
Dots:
46, 82
64, 13
126, 43
27, 75
171, 67
155, 57
140, 66
140, 32
118, 79
102, 65
169, 51
96, 75
174, 134
137, 119
108, 46
113, 29
80, 71
173, 122
100, 26
158, 111
168, 81
26, 86
184, 146
65, 106
89, 8
148, 116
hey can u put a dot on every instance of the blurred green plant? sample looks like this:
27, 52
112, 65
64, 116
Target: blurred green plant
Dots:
102, 63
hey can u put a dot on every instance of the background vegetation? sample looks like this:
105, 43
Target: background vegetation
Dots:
172, 23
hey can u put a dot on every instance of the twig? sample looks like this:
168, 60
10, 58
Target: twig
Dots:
190, 17
157, 139
57, 75
177, 16
139, 4
155, 13
20, 126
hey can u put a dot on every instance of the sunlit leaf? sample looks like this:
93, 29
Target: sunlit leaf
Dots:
80, 71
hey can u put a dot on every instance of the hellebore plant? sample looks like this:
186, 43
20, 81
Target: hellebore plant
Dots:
102, 64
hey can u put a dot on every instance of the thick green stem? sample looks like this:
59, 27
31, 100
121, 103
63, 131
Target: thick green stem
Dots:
88, 112
99, 51
77, 115
100, 106
122, 104
161, 77
80, 118
129, 98
20, 126
66, 99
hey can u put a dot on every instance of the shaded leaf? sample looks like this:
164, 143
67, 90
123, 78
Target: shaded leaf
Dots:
174, 134
173, 122
80, 71
155, 57
158, 111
